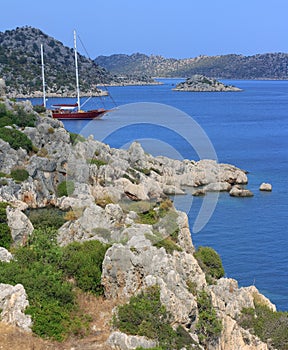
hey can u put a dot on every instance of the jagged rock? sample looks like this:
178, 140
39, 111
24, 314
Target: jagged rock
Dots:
237, 191
127, 269
231, 300
94, 223
265, 187
5, 255
13, 302
218, 187
21, 227
119, 340
201, 83
2, 87
236, 338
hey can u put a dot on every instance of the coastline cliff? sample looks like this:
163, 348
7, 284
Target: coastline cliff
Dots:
116, 200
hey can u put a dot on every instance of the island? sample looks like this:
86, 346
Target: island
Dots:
201, 83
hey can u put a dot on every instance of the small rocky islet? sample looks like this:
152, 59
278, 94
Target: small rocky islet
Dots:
201, 83
119, 197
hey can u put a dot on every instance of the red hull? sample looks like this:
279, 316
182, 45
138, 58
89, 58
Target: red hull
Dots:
95, 114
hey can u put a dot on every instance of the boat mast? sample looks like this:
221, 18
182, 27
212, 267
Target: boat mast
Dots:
76, 69
43, 76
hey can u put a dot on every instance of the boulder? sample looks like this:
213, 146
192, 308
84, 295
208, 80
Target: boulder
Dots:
265, 187
5, 255
2, 87
238, 191
13, 302
21, 227
119, 340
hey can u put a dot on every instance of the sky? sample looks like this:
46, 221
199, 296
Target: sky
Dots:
170, 28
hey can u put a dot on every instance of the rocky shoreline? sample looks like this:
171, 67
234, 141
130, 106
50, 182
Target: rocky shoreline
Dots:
112, 189
201, 83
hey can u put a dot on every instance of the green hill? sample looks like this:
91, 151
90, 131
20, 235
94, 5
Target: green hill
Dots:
261, 66
20, 65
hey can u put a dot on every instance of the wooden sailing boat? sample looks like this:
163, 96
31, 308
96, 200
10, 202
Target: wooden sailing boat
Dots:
71, 111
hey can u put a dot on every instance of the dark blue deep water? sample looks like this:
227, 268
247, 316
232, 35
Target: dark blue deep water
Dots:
248, 129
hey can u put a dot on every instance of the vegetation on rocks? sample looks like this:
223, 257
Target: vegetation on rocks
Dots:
5, 232
16, 139
145, 315
270, 326
19, 174
209, 326
210, 262
18, 117
65, 188
43, 269
46, 217
83, 262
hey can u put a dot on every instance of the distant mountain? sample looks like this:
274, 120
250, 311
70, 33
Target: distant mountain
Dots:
20, 65
261, 66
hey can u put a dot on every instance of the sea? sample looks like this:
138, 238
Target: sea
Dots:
248, 129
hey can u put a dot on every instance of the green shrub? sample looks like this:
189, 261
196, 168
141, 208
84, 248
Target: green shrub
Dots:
19, 175
168, 244
16, 139
149, 217
65, 188
208, 327
23, 118
83, 262
5, 121
5, 232
46, 217
271, 327
74, 138
39, 108
145, 315
52, 300
97, 162
210, 262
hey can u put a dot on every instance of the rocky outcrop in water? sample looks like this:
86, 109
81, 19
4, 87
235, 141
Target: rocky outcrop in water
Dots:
201, 83
113, 190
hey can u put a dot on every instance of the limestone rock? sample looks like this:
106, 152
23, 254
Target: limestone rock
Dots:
119, 340
237, 191
265, 187
5, 255
2, 87
13, 302
21, 227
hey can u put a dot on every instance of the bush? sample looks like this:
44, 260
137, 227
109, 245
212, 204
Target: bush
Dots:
65, 188
16, 139
52, 300
39, 108
145, 315
210, 262
271, 327
23, 118
5, 232
208, 327
74, 138
97, 162
46, 217
168, 245
19, 117
19, 175
83, 262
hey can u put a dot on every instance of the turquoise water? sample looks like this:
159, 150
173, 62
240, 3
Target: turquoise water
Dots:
248, 129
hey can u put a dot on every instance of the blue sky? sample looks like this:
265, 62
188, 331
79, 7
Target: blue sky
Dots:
171, 28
